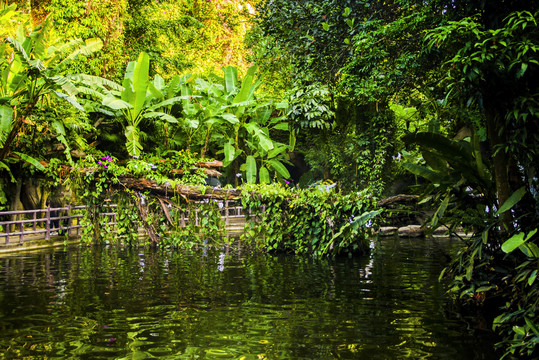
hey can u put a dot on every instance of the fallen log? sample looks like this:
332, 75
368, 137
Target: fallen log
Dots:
209, 172
189, 192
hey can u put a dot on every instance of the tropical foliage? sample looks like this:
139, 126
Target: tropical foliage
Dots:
372, 96
318, 220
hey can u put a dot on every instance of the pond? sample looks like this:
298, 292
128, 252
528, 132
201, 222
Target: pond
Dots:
109, 303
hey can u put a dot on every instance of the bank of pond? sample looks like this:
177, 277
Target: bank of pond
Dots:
233, 302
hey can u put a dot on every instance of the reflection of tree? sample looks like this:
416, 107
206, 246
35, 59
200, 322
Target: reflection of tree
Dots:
131, 302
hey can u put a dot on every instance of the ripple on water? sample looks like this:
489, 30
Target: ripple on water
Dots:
124, 304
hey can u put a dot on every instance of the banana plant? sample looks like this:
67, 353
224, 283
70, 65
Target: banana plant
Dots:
450, 165
140, 100
247, 122
31, 71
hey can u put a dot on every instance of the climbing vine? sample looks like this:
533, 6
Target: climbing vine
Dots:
114, 208
94, 19
319, 220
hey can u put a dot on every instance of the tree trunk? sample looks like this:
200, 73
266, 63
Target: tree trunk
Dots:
16, 201
501, 164
186, 191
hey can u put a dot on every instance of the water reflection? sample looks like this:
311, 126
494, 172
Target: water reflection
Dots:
92, 303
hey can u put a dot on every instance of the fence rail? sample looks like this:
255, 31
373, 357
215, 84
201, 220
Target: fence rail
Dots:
66, 220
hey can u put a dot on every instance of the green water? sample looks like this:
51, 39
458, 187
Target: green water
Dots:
88, 303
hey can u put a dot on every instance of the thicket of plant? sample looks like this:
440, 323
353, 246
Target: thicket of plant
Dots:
368, 95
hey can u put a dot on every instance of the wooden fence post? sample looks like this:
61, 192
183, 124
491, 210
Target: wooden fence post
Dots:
21, 236
69, 220
7, 234
48, 224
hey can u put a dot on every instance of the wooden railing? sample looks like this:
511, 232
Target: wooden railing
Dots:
46, 222
50, 221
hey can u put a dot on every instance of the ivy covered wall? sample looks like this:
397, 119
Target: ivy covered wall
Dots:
185, 36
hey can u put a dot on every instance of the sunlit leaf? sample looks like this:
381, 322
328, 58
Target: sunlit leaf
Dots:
516, 240
251, 169
264, 175
280, 168
29, 159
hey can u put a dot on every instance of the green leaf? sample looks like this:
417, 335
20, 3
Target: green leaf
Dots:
248, 88
277, 151
6, 117
85, 48
93, 81
532, 326
30, 160
532, 277
231, 79
134, 147
280, 168
265, 142
169, 102
512, 200
140, 81
70, 100
422, 171
161, 115
469, 271
231, 118
251, 169
519, 330
516, 240
292, 140
19, 49
447, 148
281, 126
114, 103
530, 250
325, 26
230, 153
434, 161
264, 175
440, 211
357, 222
485, 288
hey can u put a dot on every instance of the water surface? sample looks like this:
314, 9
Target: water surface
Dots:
108, 303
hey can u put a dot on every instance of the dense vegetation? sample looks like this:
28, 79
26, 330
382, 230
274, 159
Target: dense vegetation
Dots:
436, 98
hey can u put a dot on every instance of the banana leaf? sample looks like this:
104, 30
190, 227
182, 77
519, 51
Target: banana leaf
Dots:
280, 168
432, 176
264, 175
251, 169
29, 159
